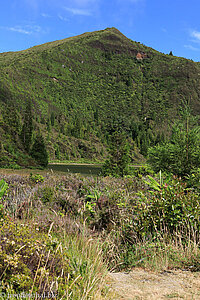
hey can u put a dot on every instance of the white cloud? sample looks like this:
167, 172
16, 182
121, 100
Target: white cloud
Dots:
190, 47
78, 11
195, 34
45, 15
63, 18
18, 29
84, 2
24, 30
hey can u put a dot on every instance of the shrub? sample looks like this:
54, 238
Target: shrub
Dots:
46, 194
30, 260
36, 178
171, 207
64, 267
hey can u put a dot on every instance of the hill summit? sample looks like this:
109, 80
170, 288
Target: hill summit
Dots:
82, 89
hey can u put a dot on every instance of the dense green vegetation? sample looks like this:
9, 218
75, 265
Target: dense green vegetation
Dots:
83, 89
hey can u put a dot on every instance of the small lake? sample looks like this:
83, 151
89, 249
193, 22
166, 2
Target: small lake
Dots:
85, 169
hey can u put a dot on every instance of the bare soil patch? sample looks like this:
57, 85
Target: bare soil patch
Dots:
141, 284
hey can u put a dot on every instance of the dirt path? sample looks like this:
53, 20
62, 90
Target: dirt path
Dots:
142, 285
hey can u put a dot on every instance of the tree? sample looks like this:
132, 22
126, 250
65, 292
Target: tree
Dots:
48, 125
11, 118
52, 119
118, 163
57, 151
180, 155
39, 152
27, 128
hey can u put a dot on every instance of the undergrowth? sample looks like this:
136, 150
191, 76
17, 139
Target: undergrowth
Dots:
61, 234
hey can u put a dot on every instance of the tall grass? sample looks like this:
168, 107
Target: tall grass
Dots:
86, 260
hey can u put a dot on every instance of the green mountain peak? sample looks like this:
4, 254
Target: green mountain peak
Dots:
83, 88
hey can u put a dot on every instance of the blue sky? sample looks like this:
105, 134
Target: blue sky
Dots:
165, 25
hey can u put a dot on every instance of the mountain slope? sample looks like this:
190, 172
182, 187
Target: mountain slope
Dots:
83, 88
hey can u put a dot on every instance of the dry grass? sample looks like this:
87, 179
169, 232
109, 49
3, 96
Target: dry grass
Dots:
142, 284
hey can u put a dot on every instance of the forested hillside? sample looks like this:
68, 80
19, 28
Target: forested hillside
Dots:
74, 93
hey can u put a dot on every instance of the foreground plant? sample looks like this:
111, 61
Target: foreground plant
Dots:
130, 222
171, 207
3, 187
34, 262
